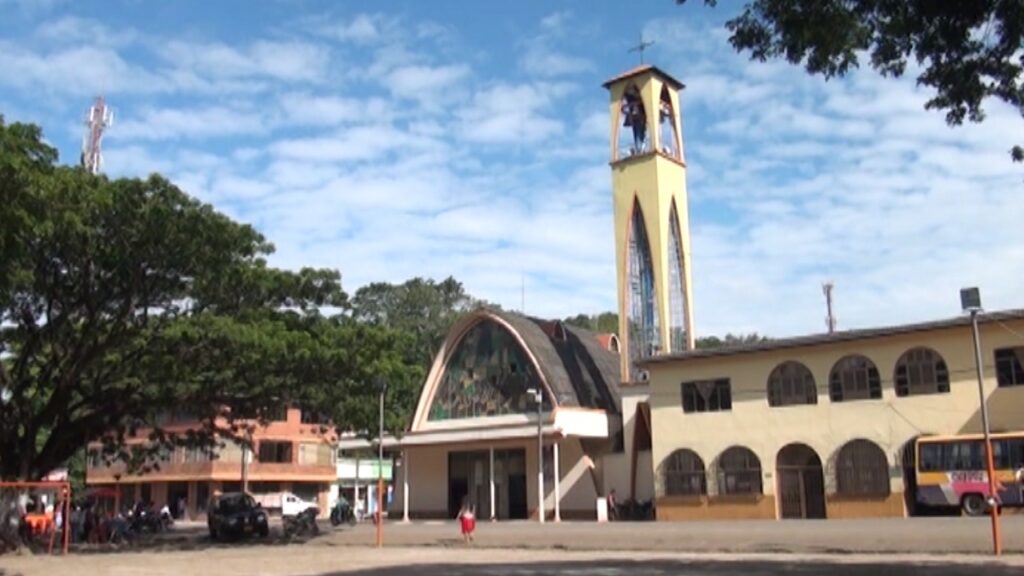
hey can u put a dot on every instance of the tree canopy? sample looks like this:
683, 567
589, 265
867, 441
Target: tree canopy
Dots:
967, 51
121, 300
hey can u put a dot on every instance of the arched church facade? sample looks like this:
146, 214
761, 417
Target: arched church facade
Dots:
474, 436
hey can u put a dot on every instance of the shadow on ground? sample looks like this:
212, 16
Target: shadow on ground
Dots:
689, 568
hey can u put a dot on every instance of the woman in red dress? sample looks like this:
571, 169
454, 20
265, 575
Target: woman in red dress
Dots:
467, 521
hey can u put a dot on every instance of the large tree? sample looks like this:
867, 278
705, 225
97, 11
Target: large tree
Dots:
121, 300
967, 51
422, 311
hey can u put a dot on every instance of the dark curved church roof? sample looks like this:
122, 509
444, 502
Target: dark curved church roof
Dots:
578, 369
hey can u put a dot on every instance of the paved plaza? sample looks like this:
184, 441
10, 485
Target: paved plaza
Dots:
935, 546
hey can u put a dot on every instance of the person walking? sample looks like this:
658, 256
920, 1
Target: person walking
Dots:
467, 521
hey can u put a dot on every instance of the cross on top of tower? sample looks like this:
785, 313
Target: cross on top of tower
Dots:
643, 45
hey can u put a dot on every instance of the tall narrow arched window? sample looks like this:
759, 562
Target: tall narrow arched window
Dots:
634, 117
854, 377
921, 371
739, 472
644, 334
668, 126
862, 470
791, 383
683, 474
676, 284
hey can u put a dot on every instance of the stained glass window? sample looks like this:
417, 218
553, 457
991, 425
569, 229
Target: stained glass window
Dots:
488, 374
677, 286
644, 338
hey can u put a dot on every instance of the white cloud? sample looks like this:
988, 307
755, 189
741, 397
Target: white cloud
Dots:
169, 124
427, 82
286, 61
79, 71
306, 109
510, 115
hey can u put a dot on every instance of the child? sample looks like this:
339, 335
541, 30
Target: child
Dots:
467, 520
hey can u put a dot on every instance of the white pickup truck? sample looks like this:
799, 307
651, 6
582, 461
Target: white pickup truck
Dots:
289, 504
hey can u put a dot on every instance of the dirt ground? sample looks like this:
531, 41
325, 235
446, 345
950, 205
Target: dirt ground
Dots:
328, 560
937, 547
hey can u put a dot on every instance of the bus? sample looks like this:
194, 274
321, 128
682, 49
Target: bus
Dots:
951, 471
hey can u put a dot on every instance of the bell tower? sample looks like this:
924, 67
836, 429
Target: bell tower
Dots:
652, 230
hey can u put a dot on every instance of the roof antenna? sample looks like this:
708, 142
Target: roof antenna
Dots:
830, 319
643, 45
522, 295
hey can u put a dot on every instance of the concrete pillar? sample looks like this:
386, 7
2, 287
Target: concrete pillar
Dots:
558, 483
494, 513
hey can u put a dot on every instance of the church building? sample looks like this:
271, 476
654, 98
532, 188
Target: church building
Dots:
529, 418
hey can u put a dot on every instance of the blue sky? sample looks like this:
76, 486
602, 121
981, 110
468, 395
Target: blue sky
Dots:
399, 139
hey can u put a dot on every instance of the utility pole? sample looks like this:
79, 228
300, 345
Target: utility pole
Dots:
970, 301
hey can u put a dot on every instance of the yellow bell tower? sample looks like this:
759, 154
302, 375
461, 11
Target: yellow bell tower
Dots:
652, 230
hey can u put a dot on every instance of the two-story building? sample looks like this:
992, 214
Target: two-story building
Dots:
290, 453
823, 426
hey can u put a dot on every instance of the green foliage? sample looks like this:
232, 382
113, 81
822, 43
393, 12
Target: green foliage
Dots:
967, 51
122, 300
709, 342
422, 312
603, 323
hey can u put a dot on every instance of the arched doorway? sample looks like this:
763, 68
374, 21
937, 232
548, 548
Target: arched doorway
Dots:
801, 483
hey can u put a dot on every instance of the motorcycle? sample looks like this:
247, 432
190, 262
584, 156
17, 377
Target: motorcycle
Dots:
302, 524
342, 513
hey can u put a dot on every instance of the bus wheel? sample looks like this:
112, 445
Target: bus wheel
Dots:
974, 504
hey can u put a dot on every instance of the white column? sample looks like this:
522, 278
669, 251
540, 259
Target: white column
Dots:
494, 513
558, 486
540, 482
355, 496
405, 486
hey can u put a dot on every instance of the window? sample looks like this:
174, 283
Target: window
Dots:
487, 374
707, 396
1010, 366
921, 371
739, 472
854, 378
280, 452
790, 384
862, 470
683, 474
930, 457
315, 453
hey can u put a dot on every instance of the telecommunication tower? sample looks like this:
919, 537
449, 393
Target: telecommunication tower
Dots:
98, 119
830, 319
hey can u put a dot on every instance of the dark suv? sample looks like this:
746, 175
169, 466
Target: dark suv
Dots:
235, 514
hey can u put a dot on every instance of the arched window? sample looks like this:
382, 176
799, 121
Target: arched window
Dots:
862, 470
487, 374
683, 474
643, 332
854, 377
667, 135
739, 472
791, 383
921, 371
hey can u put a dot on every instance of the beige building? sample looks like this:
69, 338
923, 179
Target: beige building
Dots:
820, 426
474, 437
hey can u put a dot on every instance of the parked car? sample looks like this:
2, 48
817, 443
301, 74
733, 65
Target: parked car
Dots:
236, 514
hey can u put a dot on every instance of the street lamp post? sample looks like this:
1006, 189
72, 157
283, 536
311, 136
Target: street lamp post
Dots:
970, 301
538, 397
382, 386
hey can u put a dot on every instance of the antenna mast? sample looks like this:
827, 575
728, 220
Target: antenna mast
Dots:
830, 319
98, 119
